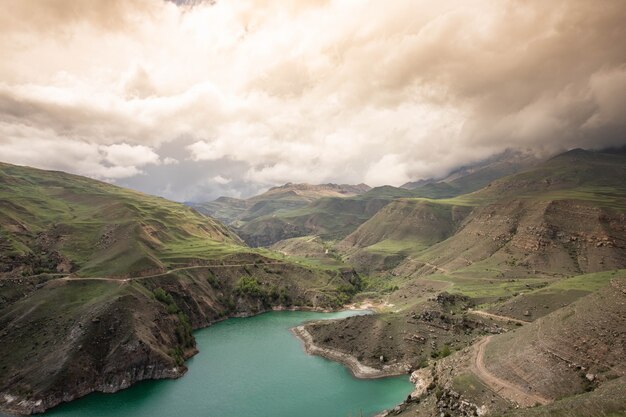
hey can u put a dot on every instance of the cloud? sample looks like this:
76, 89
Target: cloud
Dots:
128, 155
170, 161
314, 90
40, 148
221, 180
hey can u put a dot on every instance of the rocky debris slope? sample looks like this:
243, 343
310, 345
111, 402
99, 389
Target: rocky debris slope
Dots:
562, 237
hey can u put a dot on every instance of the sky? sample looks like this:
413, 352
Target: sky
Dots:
192, 100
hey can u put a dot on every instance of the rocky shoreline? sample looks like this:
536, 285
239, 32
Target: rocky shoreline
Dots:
12, 405
358, 369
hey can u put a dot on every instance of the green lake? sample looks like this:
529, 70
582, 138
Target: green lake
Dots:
251, 367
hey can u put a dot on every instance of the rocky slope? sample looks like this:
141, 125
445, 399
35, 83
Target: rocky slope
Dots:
518, 237
570, 362
73, 336
101, 287
401, 228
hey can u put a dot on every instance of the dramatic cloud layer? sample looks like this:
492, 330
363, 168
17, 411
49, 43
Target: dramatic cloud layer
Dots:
197, 99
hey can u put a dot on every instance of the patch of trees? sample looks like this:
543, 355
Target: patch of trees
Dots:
268, 295
183, 330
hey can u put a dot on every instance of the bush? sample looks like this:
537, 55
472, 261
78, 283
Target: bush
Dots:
249, 286
184, 331
213, 281
442, 353
177, 355
166, 298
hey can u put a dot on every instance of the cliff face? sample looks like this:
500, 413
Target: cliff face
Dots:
69, 337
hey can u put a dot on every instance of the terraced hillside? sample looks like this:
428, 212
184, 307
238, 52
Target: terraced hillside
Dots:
564, 216
102, 286
53, 222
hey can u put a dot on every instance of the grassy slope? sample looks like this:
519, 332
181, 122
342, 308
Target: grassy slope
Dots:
473, 178
551, 219
99, 228
330, 217
403, 228
63, 338
530, 304
238, 212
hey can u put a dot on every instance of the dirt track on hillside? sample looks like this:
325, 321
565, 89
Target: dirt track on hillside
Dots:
503, 388
497, 317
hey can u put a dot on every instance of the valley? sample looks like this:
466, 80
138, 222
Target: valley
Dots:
500, 289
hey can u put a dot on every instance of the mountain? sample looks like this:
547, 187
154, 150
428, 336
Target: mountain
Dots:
333, 212
56, 222
565, 216
474, 177
289, 196
291, 210
101, 287
330, 217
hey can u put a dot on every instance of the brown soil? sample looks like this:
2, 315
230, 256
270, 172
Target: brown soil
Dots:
511, 392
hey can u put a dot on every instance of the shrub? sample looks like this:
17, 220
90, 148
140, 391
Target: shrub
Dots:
184, 331
249, 286
166, 298
442, 353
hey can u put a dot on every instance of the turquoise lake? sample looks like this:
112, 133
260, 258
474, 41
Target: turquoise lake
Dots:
250, 367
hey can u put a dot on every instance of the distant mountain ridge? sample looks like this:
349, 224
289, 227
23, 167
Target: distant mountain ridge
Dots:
238, 212
316, 191
474, 177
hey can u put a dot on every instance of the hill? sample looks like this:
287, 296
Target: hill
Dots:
101, 287
55, 222
474, 177
402, 228
265, 219
331, 217
288, 196
563, 216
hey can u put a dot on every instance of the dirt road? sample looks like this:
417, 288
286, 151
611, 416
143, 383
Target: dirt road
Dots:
503, 388
171, 271
496, 317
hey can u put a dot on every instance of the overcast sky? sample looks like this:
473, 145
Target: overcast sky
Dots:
232, 96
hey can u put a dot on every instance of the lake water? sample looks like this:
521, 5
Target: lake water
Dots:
252, 367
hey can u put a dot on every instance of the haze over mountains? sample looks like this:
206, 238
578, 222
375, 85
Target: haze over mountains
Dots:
386, 96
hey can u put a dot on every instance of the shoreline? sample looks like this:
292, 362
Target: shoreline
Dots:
357, 369
26, 407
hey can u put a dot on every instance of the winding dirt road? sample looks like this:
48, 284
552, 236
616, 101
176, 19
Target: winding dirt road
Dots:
503, 388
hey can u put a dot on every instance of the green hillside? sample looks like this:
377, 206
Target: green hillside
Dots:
101, 287
57, 222
331, 217
474, 177
563, 216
